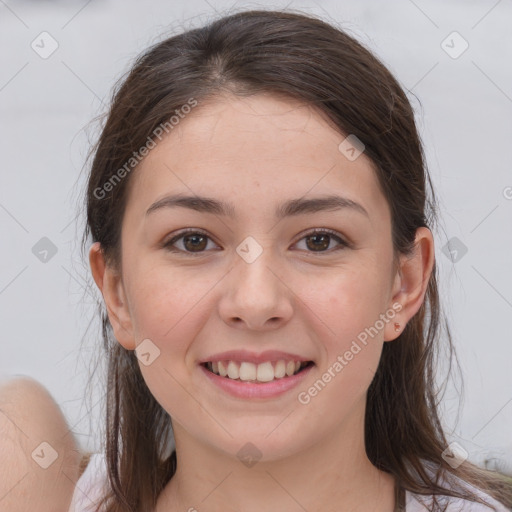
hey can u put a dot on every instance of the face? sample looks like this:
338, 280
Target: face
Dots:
251, 279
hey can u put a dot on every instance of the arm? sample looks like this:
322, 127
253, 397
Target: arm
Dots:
39, 457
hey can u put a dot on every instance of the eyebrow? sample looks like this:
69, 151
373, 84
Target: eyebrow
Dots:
289, 208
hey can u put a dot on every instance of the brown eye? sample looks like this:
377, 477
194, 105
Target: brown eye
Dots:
196, 242
320, 240
192, 242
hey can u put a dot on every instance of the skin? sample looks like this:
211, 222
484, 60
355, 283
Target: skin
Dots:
34, 476
257, 152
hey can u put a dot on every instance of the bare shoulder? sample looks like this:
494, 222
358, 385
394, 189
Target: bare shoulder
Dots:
40, 456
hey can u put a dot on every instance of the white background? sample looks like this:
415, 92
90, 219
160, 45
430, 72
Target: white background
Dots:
463, 108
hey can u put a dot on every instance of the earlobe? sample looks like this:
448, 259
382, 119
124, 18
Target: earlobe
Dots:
411, 282
110, 284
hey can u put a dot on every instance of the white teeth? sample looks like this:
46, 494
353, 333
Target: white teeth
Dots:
290, 368
280, 369
222, 369
248, 371
233, 372
263, 372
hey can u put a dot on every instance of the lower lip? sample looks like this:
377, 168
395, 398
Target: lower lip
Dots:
244, 389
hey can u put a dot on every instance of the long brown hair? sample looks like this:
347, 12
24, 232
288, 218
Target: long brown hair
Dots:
302, 57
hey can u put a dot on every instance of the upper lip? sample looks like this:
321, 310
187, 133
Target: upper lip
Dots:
253, 357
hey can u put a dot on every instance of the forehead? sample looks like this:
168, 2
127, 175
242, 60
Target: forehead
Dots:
260, 150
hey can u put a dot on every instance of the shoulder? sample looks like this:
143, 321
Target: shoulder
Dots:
91, 485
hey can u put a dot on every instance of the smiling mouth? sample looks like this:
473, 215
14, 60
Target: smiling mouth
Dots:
263, 372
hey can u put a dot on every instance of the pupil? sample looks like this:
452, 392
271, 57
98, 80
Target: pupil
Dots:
324, 237
189, 237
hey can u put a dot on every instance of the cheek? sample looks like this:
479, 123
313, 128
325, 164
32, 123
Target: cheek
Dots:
349, 316
348, 311
347, 303
166, 307
165, 303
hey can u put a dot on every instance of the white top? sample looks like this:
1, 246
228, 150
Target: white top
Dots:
89, 488
88, 492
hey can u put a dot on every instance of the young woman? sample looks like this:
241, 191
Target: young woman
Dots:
261, 235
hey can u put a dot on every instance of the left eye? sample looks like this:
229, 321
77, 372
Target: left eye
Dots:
196, 241
322, 240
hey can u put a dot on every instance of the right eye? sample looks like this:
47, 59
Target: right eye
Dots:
194, 241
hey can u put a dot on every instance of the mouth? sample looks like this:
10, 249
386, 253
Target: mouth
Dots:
256, 373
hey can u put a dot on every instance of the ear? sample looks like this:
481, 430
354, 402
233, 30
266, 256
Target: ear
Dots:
411, 281
111, 286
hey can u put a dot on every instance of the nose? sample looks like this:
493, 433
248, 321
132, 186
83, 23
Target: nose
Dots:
255, 296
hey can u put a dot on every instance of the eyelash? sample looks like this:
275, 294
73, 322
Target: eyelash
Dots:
323, 231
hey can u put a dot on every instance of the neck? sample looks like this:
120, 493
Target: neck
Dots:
334, 474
